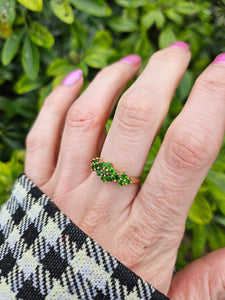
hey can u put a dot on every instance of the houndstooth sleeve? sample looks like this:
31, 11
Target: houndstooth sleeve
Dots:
43, 255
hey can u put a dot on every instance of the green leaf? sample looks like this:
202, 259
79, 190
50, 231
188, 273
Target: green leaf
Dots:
166, 37
200, 211
40, 35
217, 178
98, 8
5, 74
206, 29
7, 12
30, 59
216, 182
11, 46
58, 67
102, 39
159, 19
24, 84
108, 125
186, 8
148, 19
84, 68
219, 219
79, 33
44, 92
11, 142
215, 236
198, 240
62, 10
185, 85
123, 24
217, 193
131, 3
98, 59
5, 31
99, 53
175, 17
151, 156
9, 171
22, 107
143, 45
35, 5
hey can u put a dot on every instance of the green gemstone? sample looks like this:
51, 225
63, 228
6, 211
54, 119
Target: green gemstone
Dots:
98, 166
108, 166
99, 173
103, 178
101, 165
109, 178
93, 167
123, 176
121, 183
128, 180
117, 177
104, 171
112, 172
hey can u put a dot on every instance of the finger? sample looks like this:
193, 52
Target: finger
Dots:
43, 139
188, 151
141, 111
202, 279
86, 120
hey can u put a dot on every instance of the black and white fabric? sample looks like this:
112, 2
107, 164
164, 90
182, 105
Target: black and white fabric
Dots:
44, 255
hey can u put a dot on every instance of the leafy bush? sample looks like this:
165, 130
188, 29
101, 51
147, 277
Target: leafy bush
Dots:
42, 41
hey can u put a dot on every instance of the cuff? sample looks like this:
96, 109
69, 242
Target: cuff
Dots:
44, 255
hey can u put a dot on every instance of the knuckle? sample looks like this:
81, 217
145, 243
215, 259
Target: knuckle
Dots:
136, 111
83, 118
212, 85
189, 150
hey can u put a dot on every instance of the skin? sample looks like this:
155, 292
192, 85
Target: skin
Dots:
142, 227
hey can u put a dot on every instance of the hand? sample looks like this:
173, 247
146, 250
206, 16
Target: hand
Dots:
141, 227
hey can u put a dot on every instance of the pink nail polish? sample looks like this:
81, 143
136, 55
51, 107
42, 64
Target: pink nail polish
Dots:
132, 59
181, 45
220, 59
72, 77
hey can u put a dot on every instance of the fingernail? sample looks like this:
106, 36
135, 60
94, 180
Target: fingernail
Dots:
220, 59
132, 59
72, 77
181, 45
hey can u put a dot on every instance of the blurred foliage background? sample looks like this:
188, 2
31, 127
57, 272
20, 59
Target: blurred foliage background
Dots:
41, 41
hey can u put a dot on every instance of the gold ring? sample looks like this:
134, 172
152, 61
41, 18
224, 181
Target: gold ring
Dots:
107, 172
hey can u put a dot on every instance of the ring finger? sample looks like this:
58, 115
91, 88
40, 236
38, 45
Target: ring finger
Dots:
141, 111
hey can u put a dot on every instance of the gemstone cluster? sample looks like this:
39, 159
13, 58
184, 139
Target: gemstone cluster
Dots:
107, 172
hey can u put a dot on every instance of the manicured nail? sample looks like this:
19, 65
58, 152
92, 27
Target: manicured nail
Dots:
72, 77
181, 45
132, 59
220, 59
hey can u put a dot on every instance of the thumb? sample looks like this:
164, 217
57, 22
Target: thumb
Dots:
202, 279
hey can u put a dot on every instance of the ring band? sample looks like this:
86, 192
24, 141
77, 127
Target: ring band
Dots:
107, 172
